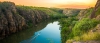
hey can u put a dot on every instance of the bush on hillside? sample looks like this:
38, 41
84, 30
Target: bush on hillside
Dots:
84, 26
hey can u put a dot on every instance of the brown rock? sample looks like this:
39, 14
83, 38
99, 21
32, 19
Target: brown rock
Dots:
10, 21
97, 6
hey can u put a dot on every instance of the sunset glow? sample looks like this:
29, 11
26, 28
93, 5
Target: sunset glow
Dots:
56, 3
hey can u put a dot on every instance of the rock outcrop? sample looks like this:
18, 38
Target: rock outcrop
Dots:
81, 14
84, 13
96, 10
14, 19
71, 12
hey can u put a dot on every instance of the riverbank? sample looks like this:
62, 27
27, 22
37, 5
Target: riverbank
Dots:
26, 33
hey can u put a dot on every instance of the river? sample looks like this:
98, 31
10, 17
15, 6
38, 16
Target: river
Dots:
44, 32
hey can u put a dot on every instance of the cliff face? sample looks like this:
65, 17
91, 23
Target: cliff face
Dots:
96, 14
14, 19
10, 21
91, 12
71, 12
32, 16
96, 10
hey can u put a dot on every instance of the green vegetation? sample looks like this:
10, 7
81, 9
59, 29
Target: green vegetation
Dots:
66, 25
88, 12
3, 5
74, 29
79, 30
83, 26
54, 13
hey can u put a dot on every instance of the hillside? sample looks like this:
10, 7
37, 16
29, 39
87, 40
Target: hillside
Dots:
82, 28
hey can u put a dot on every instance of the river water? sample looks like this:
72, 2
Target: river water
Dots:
45, 32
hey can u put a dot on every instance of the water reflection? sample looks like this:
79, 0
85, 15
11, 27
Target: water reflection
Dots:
50, 34
35, 34
25, 34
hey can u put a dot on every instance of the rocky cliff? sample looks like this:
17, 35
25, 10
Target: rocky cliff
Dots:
14, 19
90, 12
10, 21
96, 10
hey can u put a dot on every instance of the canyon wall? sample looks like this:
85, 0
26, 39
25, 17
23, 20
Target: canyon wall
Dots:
13, 19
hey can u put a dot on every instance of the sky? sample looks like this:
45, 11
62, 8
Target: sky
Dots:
81, 4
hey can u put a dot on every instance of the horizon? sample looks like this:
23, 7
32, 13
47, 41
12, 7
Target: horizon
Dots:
76, 4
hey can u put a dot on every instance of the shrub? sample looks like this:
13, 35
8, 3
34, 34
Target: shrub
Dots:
66, 27
84, 26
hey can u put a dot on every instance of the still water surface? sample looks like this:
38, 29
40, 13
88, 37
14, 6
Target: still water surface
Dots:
49, 34
44, 32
